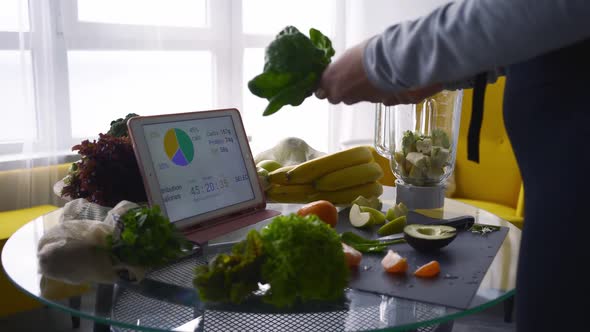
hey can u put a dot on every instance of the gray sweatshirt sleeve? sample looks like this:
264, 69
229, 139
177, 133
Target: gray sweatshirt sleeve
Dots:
461, 39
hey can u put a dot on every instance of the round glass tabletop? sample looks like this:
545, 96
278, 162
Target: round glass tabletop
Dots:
166, 300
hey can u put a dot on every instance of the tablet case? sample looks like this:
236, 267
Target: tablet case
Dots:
209, 230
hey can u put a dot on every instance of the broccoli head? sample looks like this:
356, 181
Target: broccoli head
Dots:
292, 68
293, 52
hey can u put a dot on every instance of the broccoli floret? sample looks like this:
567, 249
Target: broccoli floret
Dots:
408, 142
440, 138
292, 69
293, 52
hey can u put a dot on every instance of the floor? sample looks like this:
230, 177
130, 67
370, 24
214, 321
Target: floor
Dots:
51, 320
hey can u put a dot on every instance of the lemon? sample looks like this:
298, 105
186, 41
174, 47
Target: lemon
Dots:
393, 227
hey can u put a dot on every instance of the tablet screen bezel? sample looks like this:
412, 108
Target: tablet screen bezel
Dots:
146, 166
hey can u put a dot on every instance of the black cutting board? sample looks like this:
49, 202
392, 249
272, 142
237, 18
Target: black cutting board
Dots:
463, 264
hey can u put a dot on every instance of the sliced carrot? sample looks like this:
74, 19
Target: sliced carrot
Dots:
353, 256
394, 263
428, 270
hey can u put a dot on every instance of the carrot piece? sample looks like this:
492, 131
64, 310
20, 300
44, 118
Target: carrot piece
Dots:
428, 270
353, 256
394, 263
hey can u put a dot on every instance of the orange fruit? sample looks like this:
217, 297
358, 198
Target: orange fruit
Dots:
428, 270
325, 210
353, 256
394, 263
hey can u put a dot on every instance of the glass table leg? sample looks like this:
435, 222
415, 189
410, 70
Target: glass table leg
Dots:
103, 305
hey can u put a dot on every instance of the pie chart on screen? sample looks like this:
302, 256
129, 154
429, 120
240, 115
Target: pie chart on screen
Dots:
178, 147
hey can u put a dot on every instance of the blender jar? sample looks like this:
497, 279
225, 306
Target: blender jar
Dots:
420, 140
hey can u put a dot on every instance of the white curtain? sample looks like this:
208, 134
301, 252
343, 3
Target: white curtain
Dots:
69, 67
28, 138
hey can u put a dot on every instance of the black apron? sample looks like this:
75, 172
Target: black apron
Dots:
547, 117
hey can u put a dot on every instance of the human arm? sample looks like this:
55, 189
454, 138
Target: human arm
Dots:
452, 44
346, 81
460, 39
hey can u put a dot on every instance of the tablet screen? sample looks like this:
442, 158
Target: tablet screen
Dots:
198, 165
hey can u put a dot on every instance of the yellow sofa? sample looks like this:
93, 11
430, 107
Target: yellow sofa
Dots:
12, 299
14, 215
495, 183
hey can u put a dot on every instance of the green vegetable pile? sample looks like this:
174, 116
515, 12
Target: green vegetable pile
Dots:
300, 258
144, 237
422, 158
292, 69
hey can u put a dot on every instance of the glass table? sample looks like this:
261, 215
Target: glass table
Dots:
167, 301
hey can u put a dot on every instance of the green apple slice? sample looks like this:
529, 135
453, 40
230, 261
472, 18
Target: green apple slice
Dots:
393, 227
390, 215
377, 217
358, 218
396, 211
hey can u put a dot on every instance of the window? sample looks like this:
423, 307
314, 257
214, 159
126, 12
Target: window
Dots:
16, 78
89, 62
180, 13
15, 95
14, 15
108, 84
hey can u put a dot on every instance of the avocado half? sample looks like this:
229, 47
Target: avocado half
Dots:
426, 238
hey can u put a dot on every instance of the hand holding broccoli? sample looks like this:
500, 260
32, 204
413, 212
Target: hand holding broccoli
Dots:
293, 67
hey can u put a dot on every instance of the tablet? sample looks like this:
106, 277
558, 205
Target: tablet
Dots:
197, 166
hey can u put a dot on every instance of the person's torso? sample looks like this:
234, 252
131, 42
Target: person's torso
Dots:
547, 115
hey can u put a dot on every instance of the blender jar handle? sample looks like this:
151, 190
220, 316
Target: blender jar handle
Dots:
384, 136
428, 116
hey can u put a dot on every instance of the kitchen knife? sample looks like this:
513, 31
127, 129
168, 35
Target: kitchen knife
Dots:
460, 223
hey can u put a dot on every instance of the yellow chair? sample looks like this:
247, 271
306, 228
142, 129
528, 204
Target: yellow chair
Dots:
14, 216
12, 299
494, 184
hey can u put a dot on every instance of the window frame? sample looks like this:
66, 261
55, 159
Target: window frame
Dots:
223, 37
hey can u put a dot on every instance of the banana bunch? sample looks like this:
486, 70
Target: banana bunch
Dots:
338, 177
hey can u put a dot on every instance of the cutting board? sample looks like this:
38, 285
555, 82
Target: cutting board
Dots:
463, 264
